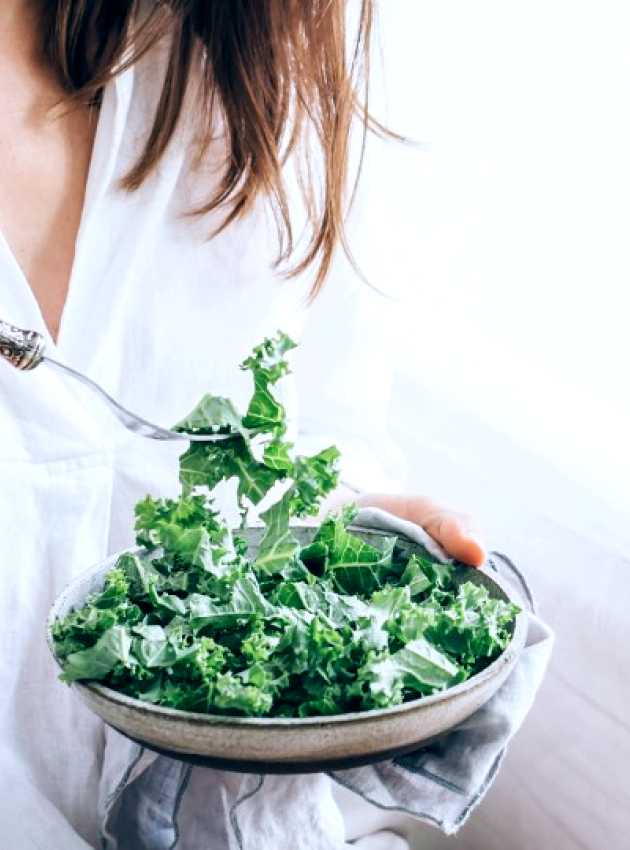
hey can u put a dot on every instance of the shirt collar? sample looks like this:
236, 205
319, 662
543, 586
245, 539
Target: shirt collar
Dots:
110, 130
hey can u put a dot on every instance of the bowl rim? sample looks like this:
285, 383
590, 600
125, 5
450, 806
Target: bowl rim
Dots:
510, 653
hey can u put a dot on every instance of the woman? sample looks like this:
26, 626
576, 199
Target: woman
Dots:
131, 132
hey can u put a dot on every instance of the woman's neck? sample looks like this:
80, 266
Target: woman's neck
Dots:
19, 41
27, 84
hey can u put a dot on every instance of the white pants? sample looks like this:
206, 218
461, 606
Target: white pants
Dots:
371, 828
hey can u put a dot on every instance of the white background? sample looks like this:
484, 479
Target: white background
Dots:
508, 229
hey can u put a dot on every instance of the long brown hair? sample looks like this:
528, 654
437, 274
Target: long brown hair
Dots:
279, 71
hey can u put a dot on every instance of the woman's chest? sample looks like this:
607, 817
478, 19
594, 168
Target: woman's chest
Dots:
43, 171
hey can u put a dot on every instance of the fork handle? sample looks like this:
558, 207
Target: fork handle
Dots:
23, 349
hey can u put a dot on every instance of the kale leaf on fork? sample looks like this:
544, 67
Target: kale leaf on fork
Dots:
206, 464
192, 622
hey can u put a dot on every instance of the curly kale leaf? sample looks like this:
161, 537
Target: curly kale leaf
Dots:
98, 615
207, 464
213, 415
267, 363
314, 478
110, 650
355, 566
279, 547
415, 576
472, 626
204, 465
418, 666
158, 520
265, 414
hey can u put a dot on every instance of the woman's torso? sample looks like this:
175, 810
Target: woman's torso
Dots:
158, 314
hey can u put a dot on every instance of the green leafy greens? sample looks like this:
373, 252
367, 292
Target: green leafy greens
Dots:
300, 628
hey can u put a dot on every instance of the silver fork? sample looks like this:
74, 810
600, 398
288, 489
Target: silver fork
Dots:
27, 349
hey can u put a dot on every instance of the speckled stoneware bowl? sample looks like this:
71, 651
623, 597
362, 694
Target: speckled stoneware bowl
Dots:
295, 745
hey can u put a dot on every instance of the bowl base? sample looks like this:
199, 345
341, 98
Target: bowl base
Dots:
280, 768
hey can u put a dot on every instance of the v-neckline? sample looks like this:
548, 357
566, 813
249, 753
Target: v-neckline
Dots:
107, 135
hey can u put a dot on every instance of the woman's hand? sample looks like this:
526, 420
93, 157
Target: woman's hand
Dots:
455, 532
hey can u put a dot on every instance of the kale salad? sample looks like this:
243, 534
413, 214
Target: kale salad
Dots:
194, 621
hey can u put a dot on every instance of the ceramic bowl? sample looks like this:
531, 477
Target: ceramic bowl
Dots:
295, 745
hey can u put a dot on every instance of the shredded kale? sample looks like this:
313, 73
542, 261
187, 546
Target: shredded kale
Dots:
192, 622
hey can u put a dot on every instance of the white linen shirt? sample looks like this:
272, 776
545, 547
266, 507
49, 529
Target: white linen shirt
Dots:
158, 314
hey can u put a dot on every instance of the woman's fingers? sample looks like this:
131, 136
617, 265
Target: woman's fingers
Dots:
457, 536
455, 532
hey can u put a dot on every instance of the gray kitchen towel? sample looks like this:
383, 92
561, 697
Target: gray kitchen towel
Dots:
150, 802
